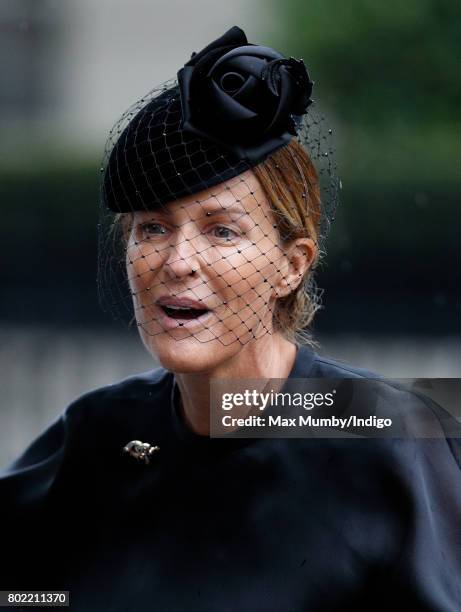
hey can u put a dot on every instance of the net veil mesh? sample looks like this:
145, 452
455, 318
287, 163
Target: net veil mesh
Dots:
208, 263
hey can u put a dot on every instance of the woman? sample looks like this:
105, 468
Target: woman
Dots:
126, 501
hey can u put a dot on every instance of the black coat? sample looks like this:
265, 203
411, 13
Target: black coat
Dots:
277, 525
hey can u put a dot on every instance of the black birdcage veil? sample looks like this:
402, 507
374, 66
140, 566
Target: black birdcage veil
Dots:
190, 244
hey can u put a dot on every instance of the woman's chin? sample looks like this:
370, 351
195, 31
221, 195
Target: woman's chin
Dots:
188, 355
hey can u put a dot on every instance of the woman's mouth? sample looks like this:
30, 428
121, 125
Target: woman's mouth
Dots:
181, 313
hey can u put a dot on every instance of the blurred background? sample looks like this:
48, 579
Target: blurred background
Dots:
387, 78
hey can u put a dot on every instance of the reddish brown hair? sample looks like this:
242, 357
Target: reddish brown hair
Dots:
291, 184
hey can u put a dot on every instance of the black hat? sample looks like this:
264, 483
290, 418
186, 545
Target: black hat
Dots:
232, 106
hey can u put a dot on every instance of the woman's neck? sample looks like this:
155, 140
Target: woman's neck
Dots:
269, 357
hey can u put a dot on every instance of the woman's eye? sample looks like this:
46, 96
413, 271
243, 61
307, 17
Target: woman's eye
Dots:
153, 229
221, 231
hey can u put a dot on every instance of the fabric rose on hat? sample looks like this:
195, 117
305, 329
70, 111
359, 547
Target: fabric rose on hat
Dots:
247, 98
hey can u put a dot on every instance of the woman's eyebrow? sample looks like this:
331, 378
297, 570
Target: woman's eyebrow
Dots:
225, 209
216, 210
209, 210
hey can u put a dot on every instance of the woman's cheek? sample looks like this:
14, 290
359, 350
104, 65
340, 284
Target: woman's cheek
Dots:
257, 270
142, 265
244, 288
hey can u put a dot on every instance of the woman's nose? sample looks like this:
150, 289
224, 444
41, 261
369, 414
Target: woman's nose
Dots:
183, 258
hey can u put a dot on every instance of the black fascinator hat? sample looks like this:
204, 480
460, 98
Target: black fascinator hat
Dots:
233, 105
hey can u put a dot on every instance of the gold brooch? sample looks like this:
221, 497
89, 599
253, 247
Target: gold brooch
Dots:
141, 451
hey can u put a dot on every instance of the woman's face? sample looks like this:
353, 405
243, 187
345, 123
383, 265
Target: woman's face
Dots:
221, 250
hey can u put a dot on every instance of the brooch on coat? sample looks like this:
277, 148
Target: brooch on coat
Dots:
141, 451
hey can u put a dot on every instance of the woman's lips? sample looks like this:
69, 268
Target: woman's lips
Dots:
171, 322
183, 302
183, 313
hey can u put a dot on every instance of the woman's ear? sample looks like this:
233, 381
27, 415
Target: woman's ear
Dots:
298, 259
